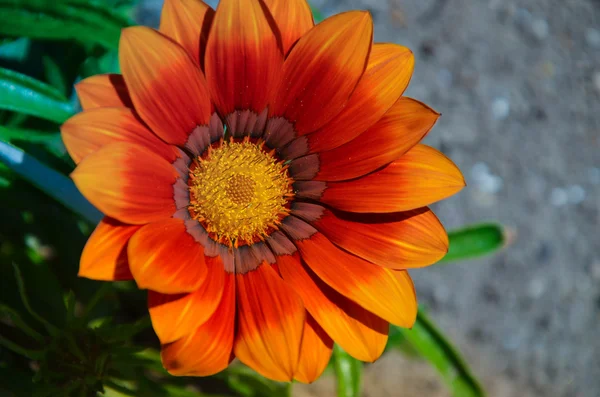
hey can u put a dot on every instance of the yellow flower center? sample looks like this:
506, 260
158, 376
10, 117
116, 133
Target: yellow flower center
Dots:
239, 192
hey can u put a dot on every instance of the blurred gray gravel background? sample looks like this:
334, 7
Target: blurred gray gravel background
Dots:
518, 83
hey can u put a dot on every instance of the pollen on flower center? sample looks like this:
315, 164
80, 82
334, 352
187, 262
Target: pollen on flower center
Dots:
240, 189
239, 192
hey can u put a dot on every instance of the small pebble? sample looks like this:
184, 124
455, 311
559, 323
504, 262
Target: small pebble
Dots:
485, 180
523, 17
536, 288
594, 175
500, 108
479, 168
511, 342
592, 37
596, 81
540, 29
595, 271
575, 194
559, 197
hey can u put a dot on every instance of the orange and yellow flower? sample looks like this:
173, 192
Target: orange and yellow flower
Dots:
262, 177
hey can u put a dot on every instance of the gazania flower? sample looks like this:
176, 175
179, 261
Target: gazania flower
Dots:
262, 178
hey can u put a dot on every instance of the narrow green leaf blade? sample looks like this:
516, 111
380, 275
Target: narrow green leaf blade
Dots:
348, 372
474, 241
48, 180
432, 345
90, 21
21, 93
248, 383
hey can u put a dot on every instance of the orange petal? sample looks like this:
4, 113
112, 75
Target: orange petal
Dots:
128, 182
206, 351
270, 322
314, 353
188, 23
373, 287
322, 70
104, 256
293, 18
401, 128
402, 240
174, 316
421, 177
88, 131
359, 332
388, 72
103, 90
243, 58
165, 258
165, 84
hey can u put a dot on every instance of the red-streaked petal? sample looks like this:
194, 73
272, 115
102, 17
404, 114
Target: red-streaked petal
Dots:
359, 332
243, 57
314, 353
399, 241
166, 86
188, 23
206, 351
293, 18
388, 72
165, 258
420, 177
88, 131
174, 316
104, 256
322, 70
373, 287
270, 322
103, 90
127, 182
401, 128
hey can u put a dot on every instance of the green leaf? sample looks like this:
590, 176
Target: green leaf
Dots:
317, 14
397, 341
52, 141
123, 332
34, 136
348, 372
247, 383
49, 181
18, 322
89, 21
105, 63
435, 348
5, 177
474, 241
21, 93
15, 50
16, 348
54, 74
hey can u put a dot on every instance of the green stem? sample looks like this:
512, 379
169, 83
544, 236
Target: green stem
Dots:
348, 371
31, 354
22, 325
123, 390
98, 295
288, 390
21, 285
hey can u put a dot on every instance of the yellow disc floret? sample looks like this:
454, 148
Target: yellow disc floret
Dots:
238, 192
